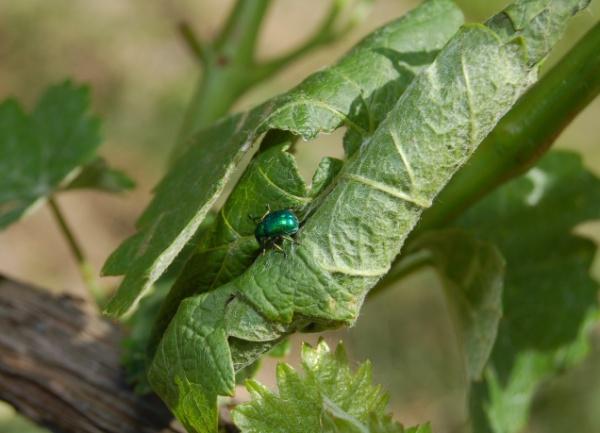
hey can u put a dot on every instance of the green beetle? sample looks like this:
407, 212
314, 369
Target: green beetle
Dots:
276, 226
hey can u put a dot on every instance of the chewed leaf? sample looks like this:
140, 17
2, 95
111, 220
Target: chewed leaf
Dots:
42, 150
347, 94
226, 250
327, 170
329, 398
349, 241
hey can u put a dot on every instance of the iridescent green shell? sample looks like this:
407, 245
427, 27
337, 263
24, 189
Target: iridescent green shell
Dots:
275, 225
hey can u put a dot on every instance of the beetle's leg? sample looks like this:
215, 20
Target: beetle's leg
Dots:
294, 241
256, 219
280, 249
267, 212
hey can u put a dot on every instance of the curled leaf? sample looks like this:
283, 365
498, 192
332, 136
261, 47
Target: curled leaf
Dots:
348, 242
356, 93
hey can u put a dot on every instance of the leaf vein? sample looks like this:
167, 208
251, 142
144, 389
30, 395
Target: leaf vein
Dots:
280, 189
409, 170
394, 192
229, 226
345, 119
469, 91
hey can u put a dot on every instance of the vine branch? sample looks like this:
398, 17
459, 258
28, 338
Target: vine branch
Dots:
526, 132
229, 64
60, 367
523, 136
192, 41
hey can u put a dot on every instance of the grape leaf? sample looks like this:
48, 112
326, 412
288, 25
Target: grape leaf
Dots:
473, 273
507, 403
356, 93
548, 291
99, 175
134, 358
348, 242
223, 252
139, 325
40, 152
329, 398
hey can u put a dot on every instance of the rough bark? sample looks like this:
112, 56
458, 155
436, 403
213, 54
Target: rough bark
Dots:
59, 366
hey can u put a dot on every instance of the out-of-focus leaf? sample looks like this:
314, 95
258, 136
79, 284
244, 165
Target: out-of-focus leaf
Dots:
99, 175
41, 151
472, 272
548, 289
349, 240
329, 398
508, 407
357, 93
281, 350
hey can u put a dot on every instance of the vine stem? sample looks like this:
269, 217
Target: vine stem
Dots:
522, 137
85, 268
229, 64
526, 133
226, 67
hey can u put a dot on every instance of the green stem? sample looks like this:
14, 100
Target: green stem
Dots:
325, 34
239, 36
525, 133
518, 140
66, 231
227, 66
85, 268
192, 41
230, 67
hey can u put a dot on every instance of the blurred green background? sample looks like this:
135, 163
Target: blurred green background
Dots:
142, 76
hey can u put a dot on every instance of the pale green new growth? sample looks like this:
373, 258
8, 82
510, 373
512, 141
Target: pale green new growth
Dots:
357, 93
349, 240
329, 399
